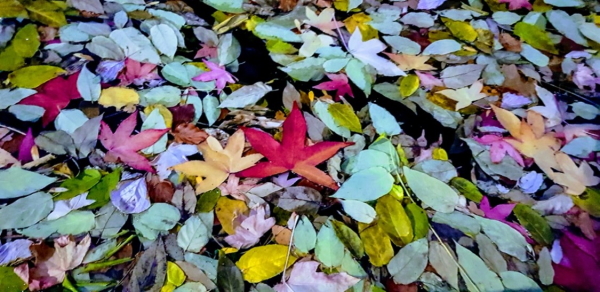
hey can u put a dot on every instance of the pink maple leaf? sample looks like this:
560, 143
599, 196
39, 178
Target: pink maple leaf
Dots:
233, 187
499, 148
218, 74
139, 73
428, 81
339, 83
517, 4
122, 146
499, 213
53, 96
249, 231
206, 51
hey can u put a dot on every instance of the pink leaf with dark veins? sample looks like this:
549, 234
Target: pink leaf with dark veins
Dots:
217, 74
339, 83
122, 146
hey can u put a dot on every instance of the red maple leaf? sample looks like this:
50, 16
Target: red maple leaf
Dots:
292, 153
122, 146
53, 96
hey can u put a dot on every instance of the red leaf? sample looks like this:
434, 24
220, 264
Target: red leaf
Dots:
122, 146
292, 153
53, 96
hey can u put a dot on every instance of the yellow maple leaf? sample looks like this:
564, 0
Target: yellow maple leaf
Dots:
466, 95
530, 138
573, 178
409, 62
360, 21
218, 162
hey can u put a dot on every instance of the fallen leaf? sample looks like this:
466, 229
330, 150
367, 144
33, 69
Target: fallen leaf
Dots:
122, 146
218, 162
292, 153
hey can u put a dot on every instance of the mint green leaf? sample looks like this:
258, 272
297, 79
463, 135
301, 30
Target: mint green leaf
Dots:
431, 191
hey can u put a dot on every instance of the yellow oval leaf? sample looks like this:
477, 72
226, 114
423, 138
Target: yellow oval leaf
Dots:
118, 97
344, 116
26, 41
393, 220
264, 262
409, 84
439, 154
175, 274
535, 36
377, 244
461, 29
227, 210
33, 76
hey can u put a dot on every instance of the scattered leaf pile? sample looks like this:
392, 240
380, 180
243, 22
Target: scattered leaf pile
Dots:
299, 145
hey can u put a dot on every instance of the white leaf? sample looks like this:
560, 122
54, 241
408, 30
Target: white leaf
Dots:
515, 281
534, 56
410, 262
591, 31
384, 122
466, 95
444, 263
367, 53
69, 120
88, 85
475, 272
550, 108
505, 237
431, 191
461, 75
245, 96
164, 39
429, 4
359, 211
566, 25
195, 232
442, 47
63, 207
135, 45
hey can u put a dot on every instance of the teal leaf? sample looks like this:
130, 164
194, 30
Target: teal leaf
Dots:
366, 185
431, 191
29, 182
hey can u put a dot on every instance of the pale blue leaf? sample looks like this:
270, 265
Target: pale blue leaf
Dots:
29, 182
384, 122
431, 191
366, 185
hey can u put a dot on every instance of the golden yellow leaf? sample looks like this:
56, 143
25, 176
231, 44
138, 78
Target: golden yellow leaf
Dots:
12, 8
530, 138
344, 116
573, 178
264, 262
535, 36
10, 60
393, 220
34, 76
359, 20
377, 244
410, 62
168, 287
26, 41
118, 97
227, 210
439, 154
461, 29
218, 162
45, 12
175, 274
409, 84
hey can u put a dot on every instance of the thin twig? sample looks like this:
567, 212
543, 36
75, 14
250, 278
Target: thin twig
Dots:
287, 257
